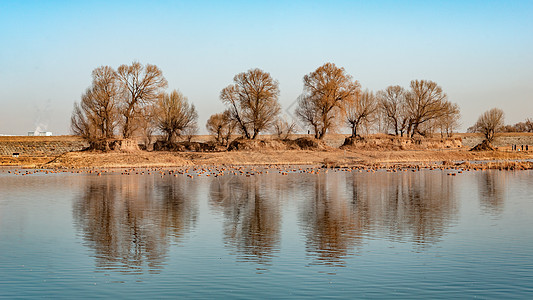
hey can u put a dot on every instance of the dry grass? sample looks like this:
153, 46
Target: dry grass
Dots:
27, 161
87, 159
170, 159
333, 157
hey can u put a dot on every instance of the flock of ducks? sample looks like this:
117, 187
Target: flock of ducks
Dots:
218, 171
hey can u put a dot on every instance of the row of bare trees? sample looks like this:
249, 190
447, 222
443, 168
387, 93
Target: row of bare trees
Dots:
331, 98
526, 126
422, 109
331, 95
131, 101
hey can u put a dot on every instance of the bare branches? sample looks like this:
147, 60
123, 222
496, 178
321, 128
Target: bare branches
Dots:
360, 110
283, 129
392, 103
221, 126
252, 101
308, 112
174, 115
80, 123
449, 121
426, 101
329, 94
140, 86
133, 101
526, 126
489, 123
529, 125
96, 115
325, 91
421, 110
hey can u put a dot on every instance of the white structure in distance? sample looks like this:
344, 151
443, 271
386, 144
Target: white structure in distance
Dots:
39, 133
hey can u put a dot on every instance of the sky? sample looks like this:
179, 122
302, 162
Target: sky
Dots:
479, 52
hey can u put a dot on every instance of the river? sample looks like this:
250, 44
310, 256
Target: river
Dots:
259, 233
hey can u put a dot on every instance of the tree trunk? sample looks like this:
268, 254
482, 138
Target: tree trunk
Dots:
321, 134
415, 129
126, 129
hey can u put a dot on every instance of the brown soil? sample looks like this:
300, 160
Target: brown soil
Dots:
187, 146
302, 143
122, 145
386, 142
483, 146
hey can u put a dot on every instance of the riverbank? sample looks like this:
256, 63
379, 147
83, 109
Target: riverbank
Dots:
329, 158
325, 156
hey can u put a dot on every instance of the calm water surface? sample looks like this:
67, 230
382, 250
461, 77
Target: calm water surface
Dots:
337, 235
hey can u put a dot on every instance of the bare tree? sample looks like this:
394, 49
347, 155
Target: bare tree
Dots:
252, 101
529, 125
308, 112
425, 102
392, 103
189, 132
520, 127
449, 121
526, 126
141, 86
489, 123
80, 124
360, 110
325, 91
283, 129
221, 126
174, 115
95, 118
146, 123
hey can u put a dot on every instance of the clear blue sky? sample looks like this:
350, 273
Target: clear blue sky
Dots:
480, 52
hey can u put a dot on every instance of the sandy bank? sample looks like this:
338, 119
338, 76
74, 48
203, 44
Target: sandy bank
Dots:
332, 158
372, 151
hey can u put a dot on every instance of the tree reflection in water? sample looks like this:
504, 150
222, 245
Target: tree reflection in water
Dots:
251, 210
491, 188
332, 222
129, 221
418, 207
